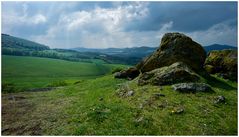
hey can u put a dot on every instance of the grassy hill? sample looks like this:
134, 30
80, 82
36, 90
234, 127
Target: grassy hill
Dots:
35, 72
92, 107
17, 46
16, 43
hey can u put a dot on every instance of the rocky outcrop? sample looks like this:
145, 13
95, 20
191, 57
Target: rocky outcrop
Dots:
222, 62
130, 73
175, 47
175, 73
192, 87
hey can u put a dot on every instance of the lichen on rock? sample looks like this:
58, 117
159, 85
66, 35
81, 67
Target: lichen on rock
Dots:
175, 73
192, 87
222, 62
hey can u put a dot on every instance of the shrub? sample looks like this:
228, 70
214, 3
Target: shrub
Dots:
118, 69
9, 88
77, 82
99, 113
57, 84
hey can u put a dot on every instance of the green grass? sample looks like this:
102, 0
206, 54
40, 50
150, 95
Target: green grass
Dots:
92, 107
35, 72
90, 104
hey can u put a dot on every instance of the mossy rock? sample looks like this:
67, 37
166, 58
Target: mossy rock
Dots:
176, 73
223, 63
129, 73
175, 47
209, 68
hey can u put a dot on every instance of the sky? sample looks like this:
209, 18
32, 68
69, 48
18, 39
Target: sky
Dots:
119, 24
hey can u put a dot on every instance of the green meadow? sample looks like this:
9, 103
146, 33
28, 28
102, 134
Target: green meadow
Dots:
35, 72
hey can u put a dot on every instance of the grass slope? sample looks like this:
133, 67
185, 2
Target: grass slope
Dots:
93, 108
34, 72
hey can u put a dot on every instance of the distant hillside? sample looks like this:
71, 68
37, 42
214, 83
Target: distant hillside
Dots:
136, 52
20, 47
17, 46
12, 42
141, 52
218, 47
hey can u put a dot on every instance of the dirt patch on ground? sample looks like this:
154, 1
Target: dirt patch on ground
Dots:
16, 110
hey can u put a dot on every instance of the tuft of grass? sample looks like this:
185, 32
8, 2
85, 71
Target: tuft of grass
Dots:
57, 84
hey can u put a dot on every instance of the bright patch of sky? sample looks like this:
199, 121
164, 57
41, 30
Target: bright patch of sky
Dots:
119, 24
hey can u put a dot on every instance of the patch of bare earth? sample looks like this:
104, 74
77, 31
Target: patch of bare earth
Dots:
17, 118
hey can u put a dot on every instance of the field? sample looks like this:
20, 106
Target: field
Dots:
92, 107
35, 72
90, 103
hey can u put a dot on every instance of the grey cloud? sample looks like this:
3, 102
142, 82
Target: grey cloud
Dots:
121, 24
187, 16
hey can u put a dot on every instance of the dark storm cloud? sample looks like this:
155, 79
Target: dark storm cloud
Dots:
187, 16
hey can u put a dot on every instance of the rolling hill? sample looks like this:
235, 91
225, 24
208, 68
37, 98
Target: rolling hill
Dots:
11, 44
19, 47
218, 47
137, 52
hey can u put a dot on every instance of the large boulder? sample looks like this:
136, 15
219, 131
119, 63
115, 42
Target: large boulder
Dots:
223, 62
129, 73
175, 47
175, 73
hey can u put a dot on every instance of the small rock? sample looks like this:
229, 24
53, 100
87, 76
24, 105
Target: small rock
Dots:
101, 99
124, 91
178, 111
141, 106
117, 75
220, 99
158, 95
130, 93
191, 87
139, 119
